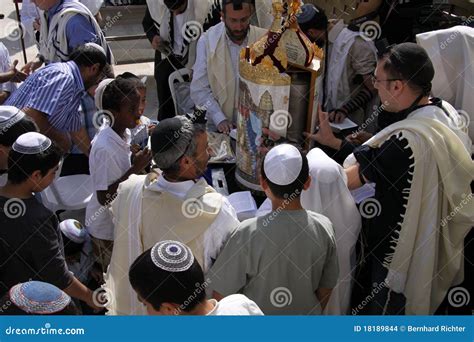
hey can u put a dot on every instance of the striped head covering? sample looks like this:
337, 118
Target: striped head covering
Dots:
38, 298
9, 116
172, 256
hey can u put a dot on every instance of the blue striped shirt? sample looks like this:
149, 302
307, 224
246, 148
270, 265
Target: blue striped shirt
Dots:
55, 90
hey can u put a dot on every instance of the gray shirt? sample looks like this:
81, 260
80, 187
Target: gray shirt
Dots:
279, 260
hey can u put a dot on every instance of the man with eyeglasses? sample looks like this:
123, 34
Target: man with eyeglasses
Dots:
420, 164
172, 203
215, 79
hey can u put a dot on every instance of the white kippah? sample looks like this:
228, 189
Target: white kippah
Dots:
283, 164
73, 230
31, 143
9, 116
99, 92
172, 256
98, 47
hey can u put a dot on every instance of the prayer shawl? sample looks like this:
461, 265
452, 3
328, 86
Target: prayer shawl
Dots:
143, 214
328, 195
200, 14
337, 86
427, 256
452, 52
53, 43
219, 66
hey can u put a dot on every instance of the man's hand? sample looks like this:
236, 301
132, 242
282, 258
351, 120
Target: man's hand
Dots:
30, 67
141, 160
337, 116
16, 75
324, 136
359, 138
37, 24
155, 43
224, 127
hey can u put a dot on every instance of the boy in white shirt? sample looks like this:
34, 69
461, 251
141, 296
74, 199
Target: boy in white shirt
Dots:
170, 281
110, 160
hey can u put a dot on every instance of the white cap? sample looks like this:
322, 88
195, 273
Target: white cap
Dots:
73, 230
99, 92
97, 46
31, 143
283, 164
9, 116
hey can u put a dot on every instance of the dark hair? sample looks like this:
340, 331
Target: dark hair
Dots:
129, 76
157, 286
174, 4
9, 135
118, 92
71, 248
88, 55
10, 309
284, 191
410, 62
21, 166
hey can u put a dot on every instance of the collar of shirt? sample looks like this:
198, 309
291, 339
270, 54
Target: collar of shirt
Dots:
77, 77
179, 189
337, 27
121, 141
53, 10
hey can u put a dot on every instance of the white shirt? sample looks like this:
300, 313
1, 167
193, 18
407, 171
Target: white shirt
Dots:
201, 92
218, 232
108, 161
235, 305
178, 26
5, 64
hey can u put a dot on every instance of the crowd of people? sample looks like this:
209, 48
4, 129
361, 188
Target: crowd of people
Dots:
158, 239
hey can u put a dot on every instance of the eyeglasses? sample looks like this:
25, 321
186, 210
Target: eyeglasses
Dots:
375, 80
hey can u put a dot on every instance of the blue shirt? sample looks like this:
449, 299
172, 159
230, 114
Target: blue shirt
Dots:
87, 112
79, 29
55, 90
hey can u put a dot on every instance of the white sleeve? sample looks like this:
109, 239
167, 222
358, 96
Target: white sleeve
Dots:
201, 92
5, 63
218, 233
102, 177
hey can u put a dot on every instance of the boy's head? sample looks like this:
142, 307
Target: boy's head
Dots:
91, 60
13, 123
284, 173
34, 160
141, 86
168, 279
121, 99
74, 236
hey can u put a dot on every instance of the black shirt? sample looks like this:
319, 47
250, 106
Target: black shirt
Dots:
31, 246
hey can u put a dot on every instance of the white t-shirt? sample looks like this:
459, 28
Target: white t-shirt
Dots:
235, 305
108, 161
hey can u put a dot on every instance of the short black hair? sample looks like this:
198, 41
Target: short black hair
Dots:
9, 135
71, 248
157, 286
174, 4
88, 55
237, 4
319, 20
118, 92
21, 166
285, 191
130, 76
410, 62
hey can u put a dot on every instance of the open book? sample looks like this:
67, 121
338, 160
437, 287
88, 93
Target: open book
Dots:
346, 124
244, 204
